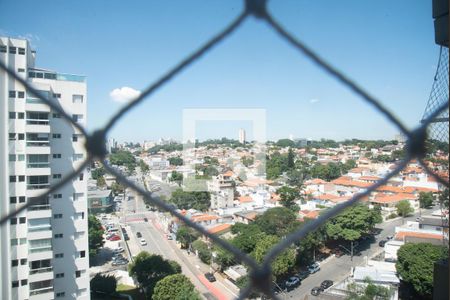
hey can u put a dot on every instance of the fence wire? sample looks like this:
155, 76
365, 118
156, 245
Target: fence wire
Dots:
260, 275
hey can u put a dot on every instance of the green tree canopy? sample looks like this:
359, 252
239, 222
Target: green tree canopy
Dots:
368, 291
123, 158
143, 166
288, 196
353, 222
176, 161
444, 198
176, 177
247, 160
277, 221
149, 269
98, 172
283, 143
175, 287
95, 236
415, 265
404, 208
186, 235
247, 236
204, 253
188, 200
425, 199
105, 284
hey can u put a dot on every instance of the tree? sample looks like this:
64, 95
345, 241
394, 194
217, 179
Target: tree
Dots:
123, 158
290, 159
415, 263
117, 188
444, 198
176, 177
98, 172
105, 284
242, 176
283, 143
288, 196
404, 208
187, 200
204, 253
247, 161
242, 282
176, 161
95, 236
295, 178
186, 235
368, 291
282, 263
247, 236
149, 269
426, 199
101, 181
143, 166
277, 221
353, 222
223, 258
175, 287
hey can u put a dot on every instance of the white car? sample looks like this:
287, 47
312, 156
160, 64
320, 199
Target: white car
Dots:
118, 250
143, 242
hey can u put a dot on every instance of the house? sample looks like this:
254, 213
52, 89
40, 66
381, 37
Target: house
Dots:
99, 201
388, 202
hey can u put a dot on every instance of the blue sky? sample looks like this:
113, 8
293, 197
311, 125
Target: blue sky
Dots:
386, 46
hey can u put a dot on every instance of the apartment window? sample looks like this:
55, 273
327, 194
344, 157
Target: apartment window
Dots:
12, 157
49, 76
57, 196
22, 220
15, 283
60, 294
58, 236
12, 136
22, 51
77, 118
56, 135
23, 261
79, 273
77, 98
21, 70
56, 115
22, 199
20, 115
76, 137
57, 176
20, 94
23, 282
21, 136
83, 253
12, 50
59, 255
12, 200
12, 115
21, 157
2, 48
21, 178
59, 275
81, 177
13, 221
12, 179
57, 95
21, 241
12, 94
14, 263
57, 216
78, 196
56, 155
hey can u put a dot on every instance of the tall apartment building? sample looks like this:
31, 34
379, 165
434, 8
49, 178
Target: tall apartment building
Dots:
222, 189
44, 250
241, 136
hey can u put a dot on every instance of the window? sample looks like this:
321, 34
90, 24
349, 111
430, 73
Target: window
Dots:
58, 236
59, 255
77, 118
12, 94
77, 98
14, 263
57, 196
83, 253
78, 196
76, 137
21, 136
13, 221
57, 95
2, 48
21, 94
22, 220
59, 275
56, 115
49, 75
22, 199
56, 176
22, 51
56, 155
12, 200
15, 283
79, 273
12, 50
24, 282
21, 70
12, 178
81, 177
60, 294
21, 157
23, 261
57, 216
56, 135
21, 178
12, 115
20, 115
12, 157
12, 136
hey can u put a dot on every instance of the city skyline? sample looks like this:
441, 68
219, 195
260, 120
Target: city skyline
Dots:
388, 48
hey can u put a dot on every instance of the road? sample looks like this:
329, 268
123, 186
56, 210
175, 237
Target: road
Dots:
336, 269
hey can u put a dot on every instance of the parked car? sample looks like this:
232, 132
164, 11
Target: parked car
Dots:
382, 243
138, 234
210, 277
326, 284
119, 262
315, 291
302, 274
118, 250
389, 237
292, 282
313, 268
115, 238
143, 242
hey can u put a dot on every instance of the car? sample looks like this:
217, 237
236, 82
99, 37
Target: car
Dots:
118, 250
119, 262
126, 237
143, 242
326, 284
315, 291
292, 282
389, 237
303, 274
124, 230
115, 238
118, 257
145, 220
210, 277
138, 234
382, 243
313, 268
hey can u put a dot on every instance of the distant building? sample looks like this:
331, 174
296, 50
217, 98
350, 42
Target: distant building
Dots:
222, 191
242, 136
100, 201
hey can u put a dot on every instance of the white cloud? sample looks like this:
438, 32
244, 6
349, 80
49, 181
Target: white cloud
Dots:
124, 94
313, 100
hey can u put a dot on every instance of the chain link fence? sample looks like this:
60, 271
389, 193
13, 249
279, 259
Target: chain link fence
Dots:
260, 275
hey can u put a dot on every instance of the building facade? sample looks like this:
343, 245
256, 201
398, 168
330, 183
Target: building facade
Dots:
44, 249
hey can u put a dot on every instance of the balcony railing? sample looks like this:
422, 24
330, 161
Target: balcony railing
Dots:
34, 101
37, 186
39, 207
38, 165
41, 270
45, 227
40, 249
44, 143
41, 291
37, 121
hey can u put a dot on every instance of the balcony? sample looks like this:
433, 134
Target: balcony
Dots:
41, 270
38, 186
41, 274
41, 128
39, 211
40, 249
38, 122
40, 146
44, 294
